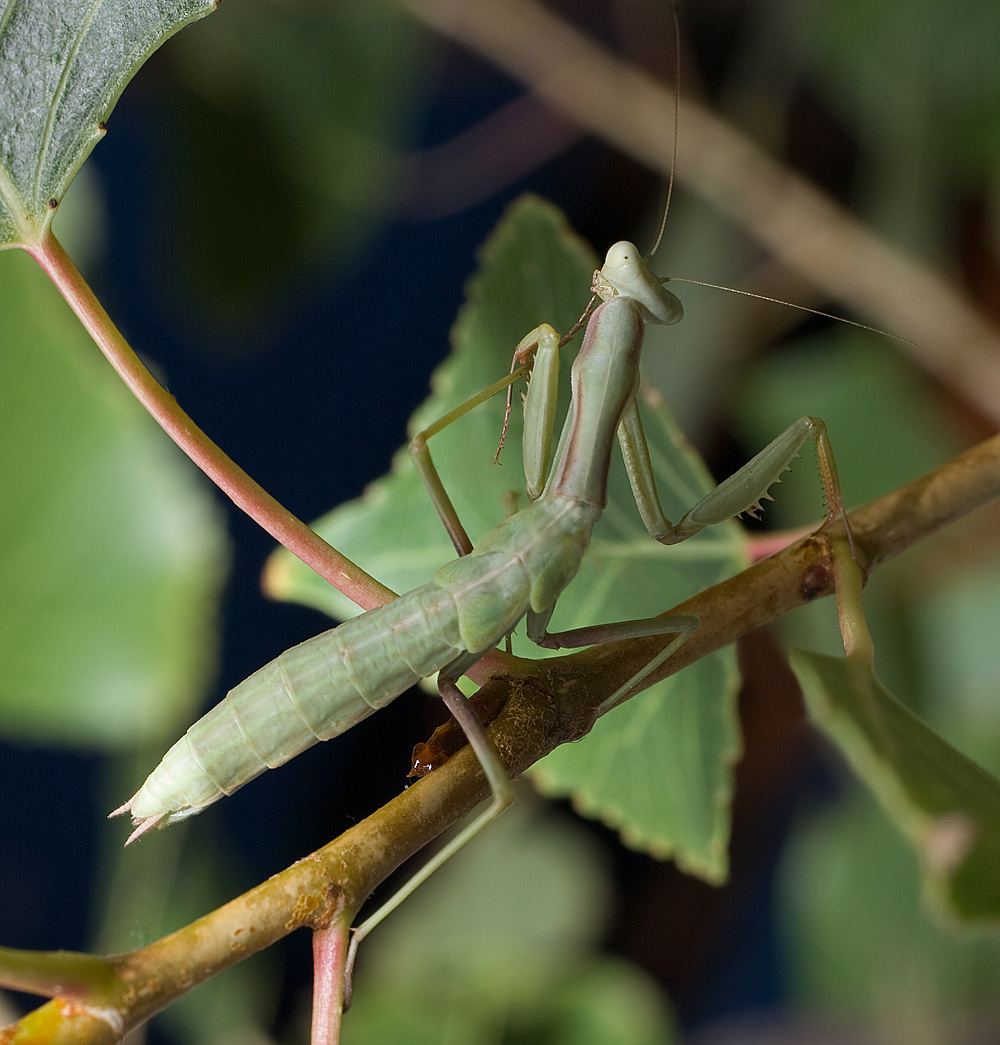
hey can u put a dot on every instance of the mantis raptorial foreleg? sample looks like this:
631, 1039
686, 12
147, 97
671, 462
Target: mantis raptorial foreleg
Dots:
741, 493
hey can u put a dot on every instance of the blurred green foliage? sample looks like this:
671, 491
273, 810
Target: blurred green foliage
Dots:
112, 555
295, 112
501, 946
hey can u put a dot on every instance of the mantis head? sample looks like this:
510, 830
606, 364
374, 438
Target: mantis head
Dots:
626, 273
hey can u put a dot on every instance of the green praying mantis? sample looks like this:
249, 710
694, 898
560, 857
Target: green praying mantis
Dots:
322, 687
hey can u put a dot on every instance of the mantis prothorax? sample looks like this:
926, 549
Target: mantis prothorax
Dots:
322, 687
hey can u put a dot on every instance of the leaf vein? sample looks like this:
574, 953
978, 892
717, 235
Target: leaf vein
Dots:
8, 12
60, 90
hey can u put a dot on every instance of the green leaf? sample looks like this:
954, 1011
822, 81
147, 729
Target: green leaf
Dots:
111, 553
862, 945
658, 768
946, 805
62, 67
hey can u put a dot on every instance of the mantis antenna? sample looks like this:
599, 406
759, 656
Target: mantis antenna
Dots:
666, 211
677, 120
524, 355
789, 304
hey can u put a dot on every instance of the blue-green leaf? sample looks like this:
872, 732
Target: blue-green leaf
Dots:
946, 805
62, 67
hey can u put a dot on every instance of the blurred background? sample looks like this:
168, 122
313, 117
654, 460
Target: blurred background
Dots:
281, 219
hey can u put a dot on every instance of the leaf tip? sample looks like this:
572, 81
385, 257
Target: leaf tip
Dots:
277, 578
947, 842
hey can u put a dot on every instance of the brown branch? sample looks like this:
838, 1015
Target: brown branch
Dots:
550, 703
803, 227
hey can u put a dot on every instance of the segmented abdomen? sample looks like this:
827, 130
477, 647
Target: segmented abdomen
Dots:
311, 692
322, 687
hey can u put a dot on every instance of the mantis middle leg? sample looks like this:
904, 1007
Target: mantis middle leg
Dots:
502, 799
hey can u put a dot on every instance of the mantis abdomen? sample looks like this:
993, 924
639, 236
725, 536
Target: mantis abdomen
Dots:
319, 689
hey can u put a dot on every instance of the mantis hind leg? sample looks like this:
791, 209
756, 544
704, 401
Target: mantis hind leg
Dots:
502, 798
679, 625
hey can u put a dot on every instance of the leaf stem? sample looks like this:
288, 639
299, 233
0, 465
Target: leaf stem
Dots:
329, 962
244, 491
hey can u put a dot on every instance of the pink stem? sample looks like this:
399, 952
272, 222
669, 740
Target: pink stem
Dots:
329, 963
247, 494
764, 545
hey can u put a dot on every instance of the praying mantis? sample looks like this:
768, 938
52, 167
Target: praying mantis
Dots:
322, 687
